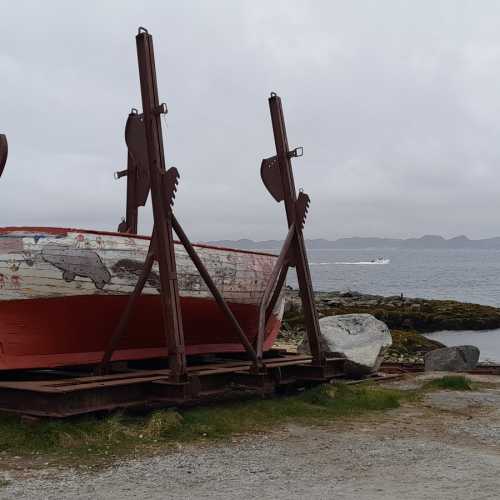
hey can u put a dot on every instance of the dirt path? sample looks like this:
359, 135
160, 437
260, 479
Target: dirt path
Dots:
446, 447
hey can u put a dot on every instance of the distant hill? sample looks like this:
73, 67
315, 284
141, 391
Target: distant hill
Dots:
425, 242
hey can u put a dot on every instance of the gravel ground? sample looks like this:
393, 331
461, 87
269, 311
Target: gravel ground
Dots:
446, 447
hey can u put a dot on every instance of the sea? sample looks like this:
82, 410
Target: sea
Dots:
459, 274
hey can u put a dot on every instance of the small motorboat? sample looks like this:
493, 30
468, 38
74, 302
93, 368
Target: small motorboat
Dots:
380, 260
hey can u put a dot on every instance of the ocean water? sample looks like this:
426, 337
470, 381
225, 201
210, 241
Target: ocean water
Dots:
465, 275
488, 342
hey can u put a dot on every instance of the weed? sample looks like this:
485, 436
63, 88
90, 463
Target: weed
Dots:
450, 382
92, 438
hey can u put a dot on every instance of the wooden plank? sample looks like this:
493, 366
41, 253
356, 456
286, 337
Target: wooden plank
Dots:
42, 265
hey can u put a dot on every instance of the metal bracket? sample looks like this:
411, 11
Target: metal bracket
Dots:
296, 153
120, 174
4, 150
161, 109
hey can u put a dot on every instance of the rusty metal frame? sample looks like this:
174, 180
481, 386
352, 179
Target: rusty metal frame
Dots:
163, 185
277, 175
60, 394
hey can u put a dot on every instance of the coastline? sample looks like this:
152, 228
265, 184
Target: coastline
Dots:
407, 318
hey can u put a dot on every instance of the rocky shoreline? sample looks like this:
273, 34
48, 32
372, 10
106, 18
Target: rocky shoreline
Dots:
406, 317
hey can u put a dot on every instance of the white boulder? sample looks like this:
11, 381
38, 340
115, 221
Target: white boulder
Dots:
361, 338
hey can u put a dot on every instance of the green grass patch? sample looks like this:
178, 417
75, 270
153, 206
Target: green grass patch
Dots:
319, 405
451, 383
93, 438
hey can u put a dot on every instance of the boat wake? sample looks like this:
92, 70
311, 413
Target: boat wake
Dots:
376, 262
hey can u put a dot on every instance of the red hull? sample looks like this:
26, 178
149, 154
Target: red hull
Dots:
51, 332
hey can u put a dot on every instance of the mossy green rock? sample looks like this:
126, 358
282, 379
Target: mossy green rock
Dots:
421, 315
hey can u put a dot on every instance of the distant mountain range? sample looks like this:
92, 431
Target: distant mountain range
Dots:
425, 242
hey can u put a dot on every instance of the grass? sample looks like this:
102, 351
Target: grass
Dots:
410, 343
93, 438
451, 383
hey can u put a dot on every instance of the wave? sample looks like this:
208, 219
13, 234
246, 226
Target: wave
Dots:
377, 262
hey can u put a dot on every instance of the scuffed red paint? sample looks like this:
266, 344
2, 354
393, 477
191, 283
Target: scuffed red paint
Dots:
53, 332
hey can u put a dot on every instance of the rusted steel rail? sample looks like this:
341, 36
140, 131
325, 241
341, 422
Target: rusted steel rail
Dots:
63, 394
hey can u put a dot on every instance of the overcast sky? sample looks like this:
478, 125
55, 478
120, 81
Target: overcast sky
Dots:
397, 106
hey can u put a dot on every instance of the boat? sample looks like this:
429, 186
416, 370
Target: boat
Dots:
66, 294
380, 260
200, 315
63, 291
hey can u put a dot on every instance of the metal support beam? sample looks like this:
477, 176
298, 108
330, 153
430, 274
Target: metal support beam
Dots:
277, 289
215, 292
271, 286
146, 171
277, 176
171, 310
125, 318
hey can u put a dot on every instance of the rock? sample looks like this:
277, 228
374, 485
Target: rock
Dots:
452, 359
361, 338
351, 294
407, 324
292, 304
334, 303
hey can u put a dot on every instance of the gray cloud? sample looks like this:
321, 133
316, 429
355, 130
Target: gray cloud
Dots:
396, 104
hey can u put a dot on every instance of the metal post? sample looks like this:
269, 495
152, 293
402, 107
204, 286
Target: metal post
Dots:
125, 318
289, 195
132, 210
129, 225
171, 311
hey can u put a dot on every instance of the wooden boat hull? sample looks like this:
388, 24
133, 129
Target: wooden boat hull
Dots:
62, 292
